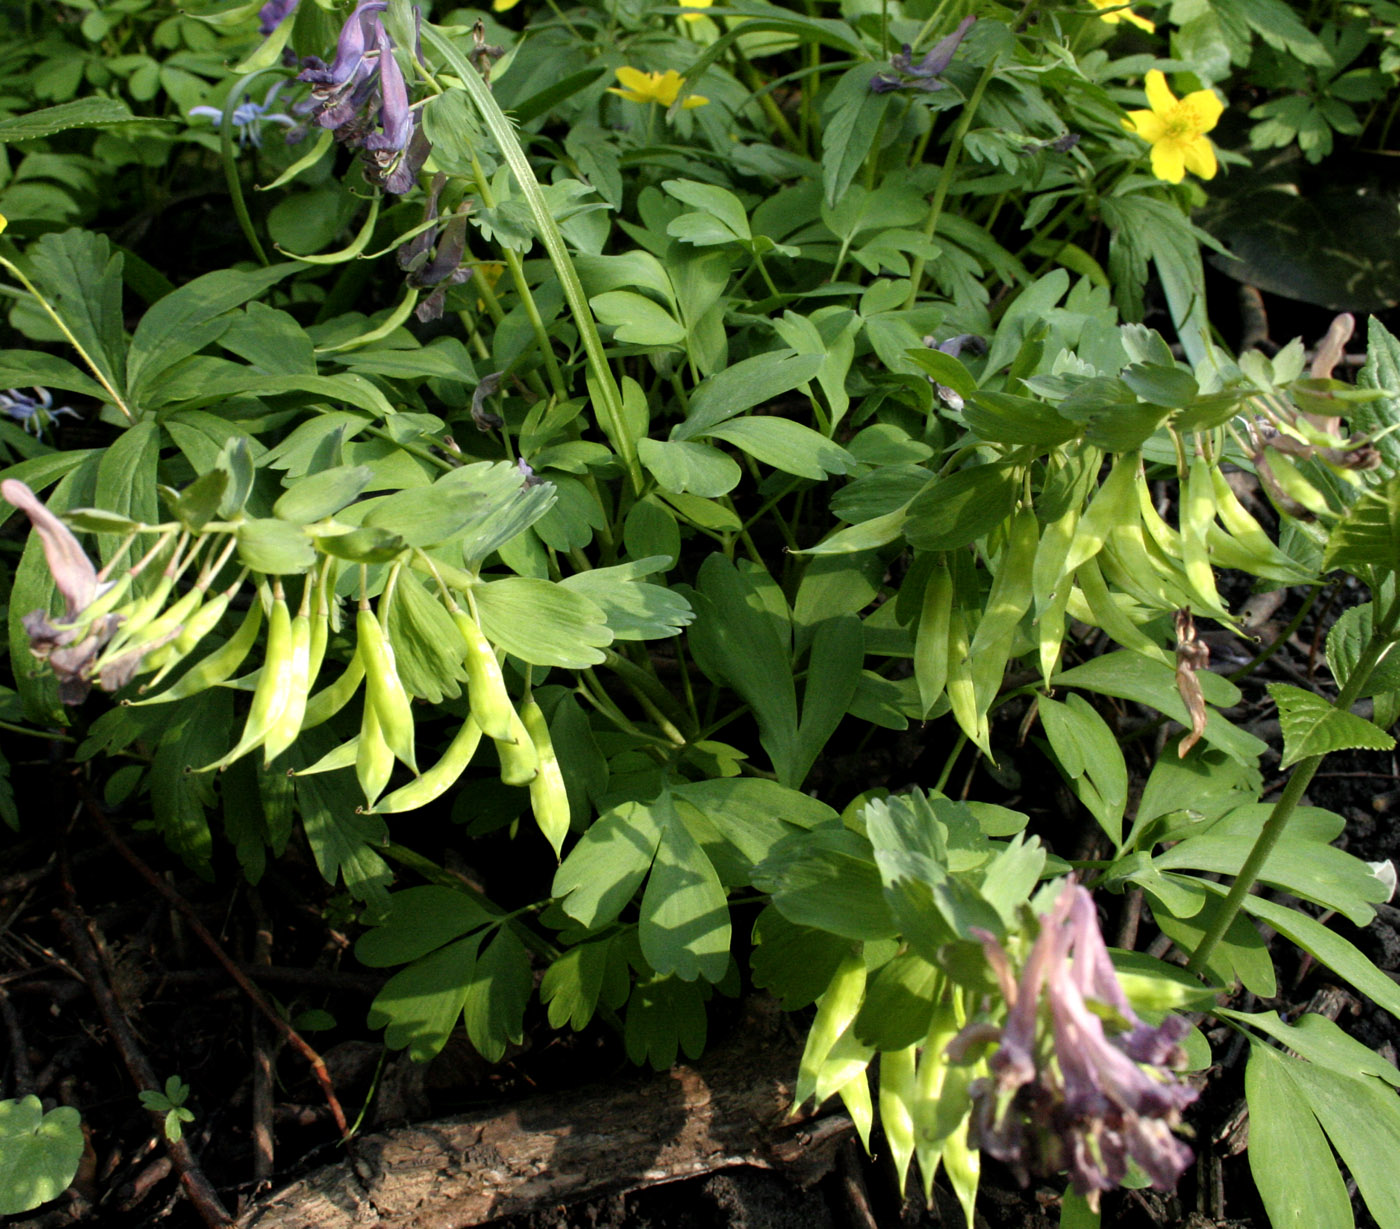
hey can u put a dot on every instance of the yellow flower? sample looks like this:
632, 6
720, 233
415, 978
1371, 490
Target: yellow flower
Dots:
694, 4
500, 6
1176, 129
653, 87
1112, 18
4, 221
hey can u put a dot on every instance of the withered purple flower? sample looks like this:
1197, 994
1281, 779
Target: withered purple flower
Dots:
273, 13
923, 75
434, 257
397, 152
1066, 1092
69, 650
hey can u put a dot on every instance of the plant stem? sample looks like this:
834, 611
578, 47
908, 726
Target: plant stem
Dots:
1287, 803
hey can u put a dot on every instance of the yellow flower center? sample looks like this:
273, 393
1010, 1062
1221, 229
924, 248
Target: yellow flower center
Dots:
1182, 122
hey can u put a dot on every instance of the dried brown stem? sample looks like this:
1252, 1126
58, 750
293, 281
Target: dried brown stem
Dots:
183, 907
199, 1189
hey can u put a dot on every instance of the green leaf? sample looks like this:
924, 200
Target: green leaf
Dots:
664, 1014
427, 645
341, 840
418, 1007
854, 114
1130, 676
39, 1153
188, 319
736, 641
730, 221
786, 445
82, 278
542, 622
743, 818
275, 547
956, 510
1303, 862
900, 999
494, 1009
743, 385
607, 866
637, 320
827, 879
1087, 752
1381, 371
838, 653
93, 112
1240, 955
34, 367
420, 920
126, 479
1312, 725
1004, 418
684, 924
1362, 1119
679, 466
1288, 1154
794, 963
634, 609
321, 495
1368, 536
1320, 1041
1347, 637
587, 973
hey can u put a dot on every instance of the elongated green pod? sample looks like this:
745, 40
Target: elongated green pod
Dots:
1197, 516
332, 698
1007, 604
548, 797
287, 726
520, 762
384, 689
219, 666
271, 695
931, 639
165, 627
897, 1095
486, 685
1112, 504
962, 688
836, 1008
342, 756
374, 760
1102, 611
438, 779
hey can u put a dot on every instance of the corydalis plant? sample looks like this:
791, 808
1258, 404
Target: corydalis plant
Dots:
1078, 1082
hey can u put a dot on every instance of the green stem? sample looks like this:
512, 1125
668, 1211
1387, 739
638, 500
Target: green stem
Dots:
1287, 803
230, 161
606, 394
950, 169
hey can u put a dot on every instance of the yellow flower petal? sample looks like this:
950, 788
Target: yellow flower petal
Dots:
1167, 162
694, 4
500, 6
693, 101
634, 78
1142, 23
1207, 107
1199, 158
1147, 124
1159, 95
4, 221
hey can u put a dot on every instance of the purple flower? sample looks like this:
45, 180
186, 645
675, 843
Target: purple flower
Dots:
249, 117
1069, 1093
273, 13
924, 74
70, 650
341, 88
34, 411
396, 152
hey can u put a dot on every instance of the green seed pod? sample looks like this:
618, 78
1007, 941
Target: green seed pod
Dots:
219, 666
438, 779
273, 691
342, 756
486, 686
548, 797
384, 690
374, 761
331, 699
520, 762
285, 729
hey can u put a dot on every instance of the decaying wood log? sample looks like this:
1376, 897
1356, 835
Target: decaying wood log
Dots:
730, 1109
